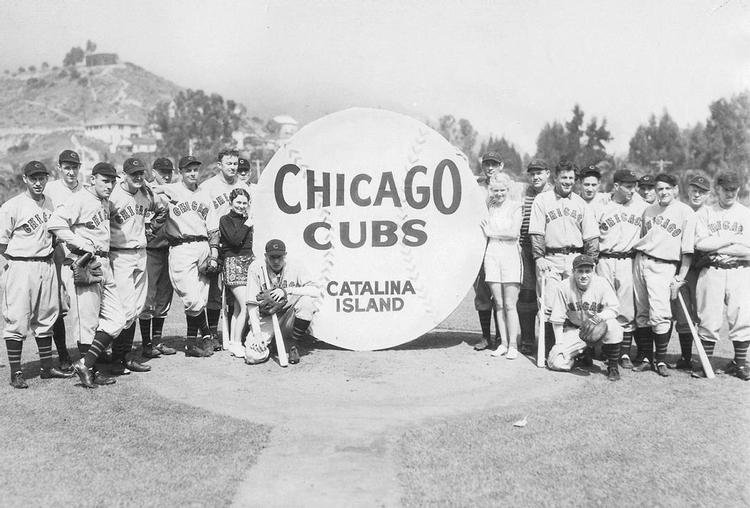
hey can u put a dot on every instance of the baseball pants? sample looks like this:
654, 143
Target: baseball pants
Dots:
566, 349
619, 273
651, 279
159, 292
30, 299
724, 286
129, 271
563, 267
64, 299
96, 307
190, 285
688, 292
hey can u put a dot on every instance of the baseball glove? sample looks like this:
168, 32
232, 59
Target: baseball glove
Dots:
256, 348
86, 270
592, 330
267, 305
209, 267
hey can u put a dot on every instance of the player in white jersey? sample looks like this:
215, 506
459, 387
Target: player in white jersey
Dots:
130, 201
187, 233
698, 190
218, 188
59, 191
27, 275
663, 257
284, 279
619, 230
584, 297
723, 233
589, 180
159, 292
95, 310
561, 227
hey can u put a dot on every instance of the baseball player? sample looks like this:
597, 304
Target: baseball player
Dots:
538, 172
28, 275
285, 282
217, 188
663, 257
589, 180
698, 190
646, 189
502, 259
96, 311
723, 233
619, 230
585, 297
59, 191
190, 257
130, 201
561, 227
159, 292
492, 162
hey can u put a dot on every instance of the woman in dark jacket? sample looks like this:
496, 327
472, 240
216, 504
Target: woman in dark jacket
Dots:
237, 252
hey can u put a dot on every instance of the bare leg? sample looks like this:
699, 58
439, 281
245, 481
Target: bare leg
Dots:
497, 297
510, 299
239, 314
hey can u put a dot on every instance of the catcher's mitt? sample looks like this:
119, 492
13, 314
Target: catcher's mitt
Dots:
209, 267
86, 270
256, 348
267, 305
592, 330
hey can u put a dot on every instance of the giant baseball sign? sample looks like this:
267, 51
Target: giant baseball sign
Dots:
384, 213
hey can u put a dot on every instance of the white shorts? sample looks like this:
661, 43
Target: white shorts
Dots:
502, 261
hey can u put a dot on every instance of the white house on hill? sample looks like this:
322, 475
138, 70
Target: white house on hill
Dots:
113, 131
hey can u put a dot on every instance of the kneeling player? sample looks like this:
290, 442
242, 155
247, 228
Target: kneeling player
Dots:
584, 312
275, 286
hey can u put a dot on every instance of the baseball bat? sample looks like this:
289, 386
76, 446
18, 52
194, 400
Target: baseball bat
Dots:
225, 340
542, 340
277, 337
705, 363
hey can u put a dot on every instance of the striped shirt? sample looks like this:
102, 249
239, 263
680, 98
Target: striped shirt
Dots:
528, 200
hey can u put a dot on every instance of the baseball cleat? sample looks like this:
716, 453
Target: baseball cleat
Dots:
134, 366
293, 355
625, 362
207, 345
218, 345
613, 373
698, 374
55, 373
119, 369
84, 374
662, 370
66, 365
730, 369
481, 345
149, 352
17, 381
742, 373
195, 352
683, 364
165, 350
642, 366
102, 380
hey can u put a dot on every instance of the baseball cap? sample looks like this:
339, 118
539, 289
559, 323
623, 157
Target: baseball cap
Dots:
163, 164
624, 176
666, 178
591, 171
275, 248
728, 180
492, 156
646, 181
34, 168
537, 164
133, 165
187, 161
701, 182
583, 260
69, 156
104, 169
243, 164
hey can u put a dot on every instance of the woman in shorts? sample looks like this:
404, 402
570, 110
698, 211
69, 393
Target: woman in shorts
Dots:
502, 259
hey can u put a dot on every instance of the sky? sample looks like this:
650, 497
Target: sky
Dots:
508, 67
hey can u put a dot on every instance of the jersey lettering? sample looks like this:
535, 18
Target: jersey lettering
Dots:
34, 222
101, 216
564, 212
665, 223
585, 306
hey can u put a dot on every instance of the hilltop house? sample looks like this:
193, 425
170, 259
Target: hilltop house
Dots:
95, 59
114, 131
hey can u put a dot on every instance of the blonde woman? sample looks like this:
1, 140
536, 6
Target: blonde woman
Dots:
502, 260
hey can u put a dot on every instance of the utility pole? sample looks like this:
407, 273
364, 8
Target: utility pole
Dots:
661, 164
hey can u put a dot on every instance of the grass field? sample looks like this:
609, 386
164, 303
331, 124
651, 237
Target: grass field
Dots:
429, 423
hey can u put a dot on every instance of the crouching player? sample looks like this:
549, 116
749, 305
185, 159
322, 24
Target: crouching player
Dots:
584, 312
284, 288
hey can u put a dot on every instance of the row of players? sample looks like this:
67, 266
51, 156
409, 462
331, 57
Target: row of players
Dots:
148, 240
645, 247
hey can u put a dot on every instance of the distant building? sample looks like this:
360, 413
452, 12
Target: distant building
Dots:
283, 126
101, 59
145, 144
113, 131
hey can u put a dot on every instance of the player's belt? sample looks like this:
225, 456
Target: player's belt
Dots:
563, 250
660, 260
158, 249
728, 265
29, 258
101, 254
617, 255
186, 239
125, 248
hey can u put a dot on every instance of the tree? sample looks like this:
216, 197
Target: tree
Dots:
727, 135
74, 56
45, 66
656, 141
571, 142
552, 143
90, 47
32, 68
511, 157
206, 121
574, 133
459, 133
594, 151
21, 70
